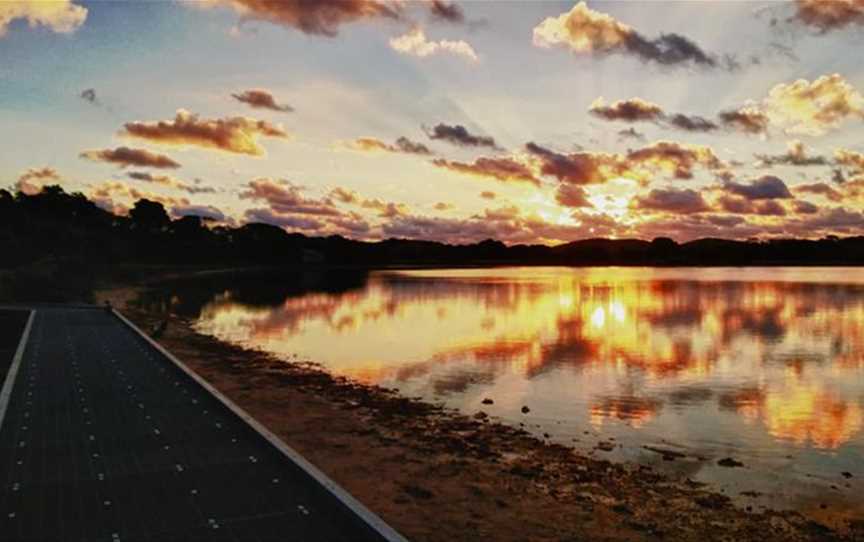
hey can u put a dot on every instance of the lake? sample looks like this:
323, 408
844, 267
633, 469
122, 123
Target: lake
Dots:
762, 365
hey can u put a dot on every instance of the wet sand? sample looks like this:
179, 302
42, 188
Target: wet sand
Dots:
439, 475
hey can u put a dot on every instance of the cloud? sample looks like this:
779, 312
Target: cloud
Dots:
312, 16
61, 16
502, 169
344, 195
234, 134
639, 110
632, 110
631, 133
458, 135
813, 108
401, 145
125, 157
415, 43
285, 197
385, 209
261, 99
671, 200
747, 119
640, 165
583, 30
819, 189
206, 212
765, 187
446, 11
572, 195
171, 182
578, 168
805, 207
796, 155
691, 123
828, 15
89, 95
852, 159
744, 206
288, 221
31, 181
676, 158
107, 194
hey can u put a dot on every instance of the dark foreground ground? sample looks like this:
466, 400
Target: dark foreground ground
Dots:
436, 475
105, 439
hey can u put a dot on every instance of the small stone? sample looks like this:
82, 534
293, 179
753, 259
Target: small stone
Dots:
487, 401
525, 410
729, 462
846, 474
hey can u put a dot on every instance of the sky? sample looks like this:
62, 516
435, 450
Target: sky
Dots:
455, 121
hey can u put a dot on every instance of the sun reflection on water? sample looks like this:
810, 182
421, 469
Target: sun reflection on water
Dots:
632, 346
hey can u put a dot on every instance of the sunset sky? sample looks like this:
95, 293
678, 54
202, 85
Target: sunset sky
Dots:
453, 121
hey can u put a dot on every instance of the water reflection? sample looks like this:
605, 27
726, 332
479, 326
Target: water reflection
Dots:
766, 364
783, 349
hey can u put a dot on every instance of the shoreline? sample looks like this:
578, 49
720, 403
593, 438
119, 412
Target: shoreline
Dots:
437, 474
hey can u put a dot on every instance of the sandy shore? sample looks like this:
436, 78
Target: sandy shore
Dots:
438, 475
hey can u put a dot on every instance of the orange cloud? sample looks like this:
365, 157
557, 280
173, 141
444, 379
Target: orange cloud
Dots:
827, 15
313, 17
116, 196
61, 16
234, 134
285, 197
501, 169
746, 119
31, 181
819, 189
402, 145
676, 158
671, 200
852, 159
125, 157
261, 99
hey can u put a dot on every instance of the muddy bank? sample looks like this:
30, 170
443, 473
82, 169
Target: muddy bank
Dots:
437, 475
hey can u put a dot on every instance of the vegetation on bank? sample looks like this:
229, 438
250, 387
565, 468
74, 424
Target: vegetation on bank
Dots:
54, 238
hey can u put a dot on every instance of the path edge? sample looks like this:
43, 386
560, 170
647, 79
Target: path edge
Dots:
371, 519
12, 373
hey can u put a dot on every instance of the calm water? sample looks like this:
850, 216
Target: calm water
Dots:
765, 365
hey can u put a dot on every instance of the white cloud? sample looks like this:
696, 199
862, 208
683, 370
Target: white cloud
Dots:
414, 42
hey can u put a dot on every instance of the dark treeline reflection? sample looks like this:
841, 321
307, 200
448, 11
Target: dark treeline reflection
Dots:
188, 295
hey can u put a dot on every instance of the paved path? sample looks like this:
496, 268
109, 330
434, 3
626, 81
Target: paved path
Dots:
106, 438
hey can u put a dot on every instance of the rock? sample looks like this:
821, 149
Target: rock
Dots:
487, 401
713, 501
525, 410
729, 462
846, 474
605, 446
417, 492
481, 415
